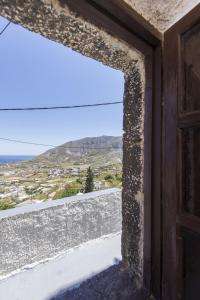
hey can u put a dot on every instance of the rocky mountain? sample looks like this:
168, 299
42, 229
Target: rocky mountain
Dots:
89, 149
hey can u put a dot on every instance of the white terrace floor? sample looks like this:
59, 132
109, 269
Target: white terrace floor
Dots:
66, 271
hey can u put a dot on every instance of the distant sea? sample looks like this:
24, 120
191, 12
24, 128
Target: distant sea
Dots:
6, 159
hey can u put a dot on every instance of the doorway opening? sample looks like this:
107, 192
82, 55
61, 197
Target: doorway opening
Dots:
68, 28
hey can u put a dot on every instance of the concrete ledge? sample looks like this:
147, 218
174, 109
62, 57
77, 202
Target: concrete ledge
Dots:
65, 272
37, 232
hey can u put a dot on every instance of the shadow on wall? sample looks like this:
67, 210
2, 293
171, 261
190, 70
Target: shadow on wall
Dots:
114, 283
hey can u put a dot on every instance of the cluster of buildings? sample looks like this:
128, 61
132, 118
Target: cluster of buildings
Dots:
64, 172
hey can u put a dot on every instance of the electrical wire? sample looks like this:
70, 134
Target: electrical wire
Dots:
4, 29
59, 107
83, 147
54, 108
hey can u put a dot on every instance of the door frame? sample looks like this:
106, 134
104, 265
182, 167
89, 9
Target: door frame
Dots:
171, 82
119, 20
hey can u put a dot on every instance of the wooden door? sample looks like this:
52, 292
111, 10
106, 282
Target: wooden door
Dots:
181, 176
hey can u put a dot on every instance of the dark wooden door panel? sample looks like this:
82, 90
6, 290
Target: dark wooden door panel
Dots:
181, 185
190, 171
189, 222
191, 261
190, 69
189, 120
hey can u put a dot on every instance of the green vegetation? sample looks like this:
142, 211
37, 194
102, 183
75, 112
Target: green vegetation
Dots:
69, 190
113, 180
30, 191
40, 196
62, 175
109, 177
2, 189
89, 183
118, 177
65, 193
6, 203
79, 180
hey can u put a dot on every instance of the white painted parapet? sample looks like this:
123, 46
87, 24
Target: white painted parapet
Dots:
37, 232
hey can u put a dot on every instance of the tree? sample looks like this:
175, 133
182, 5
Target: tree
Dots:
89, 183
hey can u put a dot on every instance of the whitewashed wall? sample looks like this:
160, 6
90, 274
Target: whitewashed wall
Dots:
36, 232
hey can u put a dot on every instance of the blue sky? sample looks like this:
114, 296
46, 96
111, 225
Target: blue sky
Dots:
38, 72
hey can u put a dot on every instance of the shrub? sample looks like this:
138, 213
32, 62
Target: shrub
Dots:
78, 180
6, 203
65, 193
118, 177
40, 196
109, 177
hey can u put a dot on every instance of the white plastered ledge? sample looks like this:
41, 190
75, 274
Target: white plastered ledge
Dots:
162, 14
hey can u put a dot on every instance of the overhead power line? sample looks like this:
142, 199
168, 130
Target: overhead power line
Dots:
25, 142
59, 107
83, 146
4, 29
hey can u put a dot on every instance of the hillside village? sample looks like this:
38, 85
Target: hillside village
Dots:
55, 175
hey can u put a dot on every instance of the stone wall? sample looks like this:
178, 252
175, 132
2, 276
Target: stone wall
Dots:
37, 232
